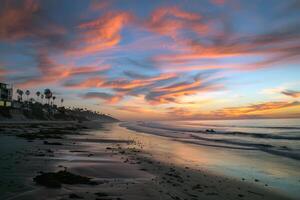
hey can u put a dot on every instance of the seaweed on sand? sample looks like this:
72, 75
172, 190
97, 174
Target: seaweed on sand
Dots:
44, 134
32, 136
56, 179
52, 143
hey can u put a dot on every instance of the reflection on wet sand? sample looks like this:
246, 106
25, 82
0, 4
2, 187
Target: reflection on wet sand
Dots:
249, 164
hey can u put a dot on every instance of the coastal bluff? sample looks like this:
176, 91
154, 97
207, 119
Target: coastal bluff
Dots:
38, 112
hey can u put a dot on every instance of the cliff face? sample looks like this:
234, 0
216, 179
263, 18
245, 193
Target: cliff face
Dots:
46, 113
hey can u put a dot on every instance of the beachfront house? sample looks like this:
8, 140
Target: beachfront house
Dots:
6, 92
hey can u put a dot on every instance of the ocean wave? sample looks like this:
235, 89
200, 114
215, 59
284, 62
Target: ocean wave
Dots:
189, 136
247, 134
267, 148
241, 126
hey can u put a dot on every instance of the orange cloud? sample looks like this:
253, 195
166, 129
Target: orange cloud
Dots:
188, 68
109, 98
218, 2
123, 84
15, 21
120, 84
102, 33
180, 87
172, 93
86, 69
122, 87
26, 20
255, 109
3, 72
89, 83
198, 51
170, 20
279, 45
52, 72
261, 110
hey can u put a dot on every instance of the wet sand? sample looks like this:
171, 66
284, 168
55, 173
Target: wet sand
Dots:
123, 164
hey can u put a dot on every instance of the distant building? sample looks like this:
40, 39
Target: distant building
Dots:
6, 92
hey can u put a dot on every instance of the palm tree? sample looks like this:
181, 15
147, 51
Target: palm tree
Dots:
20, 93
42, 97
54, 97
48, 94
27, 94
38, 93
61, 101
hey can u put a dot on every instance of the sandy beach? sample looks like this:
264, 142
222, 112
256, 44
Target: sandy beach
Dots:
122, 164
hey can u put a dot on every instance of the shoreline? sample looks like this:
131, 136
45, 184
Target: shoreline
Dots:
122, 164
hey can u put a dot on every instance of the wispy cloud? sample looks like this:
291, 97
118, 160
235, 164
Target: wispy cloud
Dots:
100, 34
120, 84
170, 21
258, 107
277, 45
20, 20
291, 93
259, 110
173, 93
109, 98
52, 72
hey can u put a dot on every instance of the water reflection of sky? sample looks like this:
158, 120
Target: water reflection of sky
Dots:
279, 173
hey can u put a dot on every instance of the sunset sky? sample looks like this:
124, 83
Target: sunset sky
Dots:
139, 60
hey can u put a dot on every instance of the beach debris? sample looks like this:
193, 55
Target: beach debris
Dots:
52, 143
33, 136
210, 130
196, 187
101, 194
74, 196
56, 179
212, 193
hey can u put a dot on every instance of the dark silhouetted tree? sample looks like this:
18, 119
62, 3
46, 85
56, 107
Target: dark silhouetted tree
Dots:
38, 93
27, 94
53, 98
61, 101
20, 94
48, 94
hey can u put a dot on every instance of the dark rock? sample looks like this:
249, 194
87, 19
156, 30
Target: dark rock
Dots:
74, 196
52, 143
101, 194
55, 179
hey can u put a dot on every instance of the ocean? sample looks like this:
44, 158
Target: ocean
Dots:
266, 149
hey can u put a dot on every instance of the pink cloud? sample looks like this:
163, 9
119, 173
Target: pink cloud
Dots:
109, 98
52, 72
101, 34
